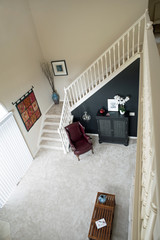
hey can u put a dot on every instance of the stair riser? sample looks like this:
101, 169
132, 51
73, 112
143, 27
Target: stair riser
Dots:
50, 127
51, 123
51, 139
49, 147
49, 131
52, 116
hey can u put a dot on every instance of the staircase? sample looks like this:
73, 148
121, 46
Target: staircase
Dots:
114, 60
50, 138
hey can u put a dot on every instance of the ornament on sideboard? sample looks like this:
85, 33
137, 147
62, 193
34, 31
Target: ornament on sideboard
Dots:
122, 109
121, 102
101, 110
86, 116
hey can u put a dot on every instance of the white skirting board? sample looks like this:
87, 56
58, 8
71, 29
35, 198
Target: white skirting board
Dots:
96, 134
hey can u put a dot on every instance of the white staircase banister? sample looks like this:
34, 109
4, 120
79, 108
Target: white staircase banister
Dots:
118, 56
116, 42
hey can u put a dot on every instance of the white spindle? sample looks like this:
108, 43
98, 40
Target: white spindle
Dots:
133, 32
139, 29
75, 91
106, 65
123, 50
81, 83
71, 90
85, 86
82, 86
92, 82
110, 62
78, 89
99, 76
95, 78
102, 68
114, 57
119, 60
89, 84
128, 45
70, 96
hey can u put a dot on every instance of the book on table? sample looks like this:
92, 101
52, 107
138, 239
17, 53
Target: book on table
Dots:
101, 223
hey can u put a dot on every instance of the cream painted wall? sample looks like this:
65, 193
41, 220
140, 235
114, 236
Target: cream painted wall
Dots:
20, 54
151, 7
79, 31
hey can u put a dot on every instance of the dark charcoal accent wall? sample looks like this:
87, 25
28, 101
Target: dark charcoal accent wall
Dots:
124, 84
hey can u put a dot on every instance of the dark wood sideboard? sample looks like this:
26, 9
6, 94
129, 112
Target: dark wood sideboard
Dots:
113, 128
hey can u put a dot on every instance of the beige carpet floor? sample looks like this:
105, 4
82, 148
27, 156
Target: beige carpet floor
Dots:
55, 199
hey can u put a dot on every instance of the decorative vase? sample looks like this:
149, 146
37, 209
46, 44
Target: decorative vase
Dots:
122, 109
122, 112
55, 98
102, 198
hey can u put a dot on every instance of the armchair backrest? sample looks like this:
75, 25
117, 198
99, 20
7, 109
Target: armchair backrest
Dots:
75, 131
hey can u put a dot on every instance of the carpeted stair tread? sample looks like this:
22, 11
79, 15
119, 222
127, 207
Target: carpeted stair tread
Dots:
50, 136
51, 144
50, 127
52, 120
56, 109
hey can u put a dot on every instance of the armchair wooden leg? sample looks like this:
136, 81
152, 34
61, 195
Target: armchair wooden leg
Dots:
78, 157
92, 151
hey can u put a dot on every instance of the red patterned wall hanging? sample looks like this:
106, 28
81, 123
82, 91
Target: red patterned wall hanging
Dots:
28, 109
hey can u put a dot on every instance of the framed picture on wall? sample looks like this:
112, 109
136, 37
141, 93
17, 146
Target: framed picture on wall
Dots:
112, 105
59, 68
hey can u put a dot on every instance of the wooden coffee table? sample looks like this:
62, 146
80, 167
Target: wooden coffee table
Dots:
106, 211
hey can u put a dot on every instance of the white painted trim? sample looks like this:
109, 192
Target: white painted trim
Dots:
96, 134
92, 134
132, 137
35, 152
48, 108
40, 131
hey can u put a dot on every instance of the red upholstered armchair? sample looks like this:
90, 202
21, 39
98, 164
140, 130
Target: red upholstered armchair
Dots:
79, 141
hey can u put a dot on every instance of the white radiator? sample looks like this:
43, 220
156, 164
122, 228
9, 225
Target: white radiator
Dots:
15, 157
